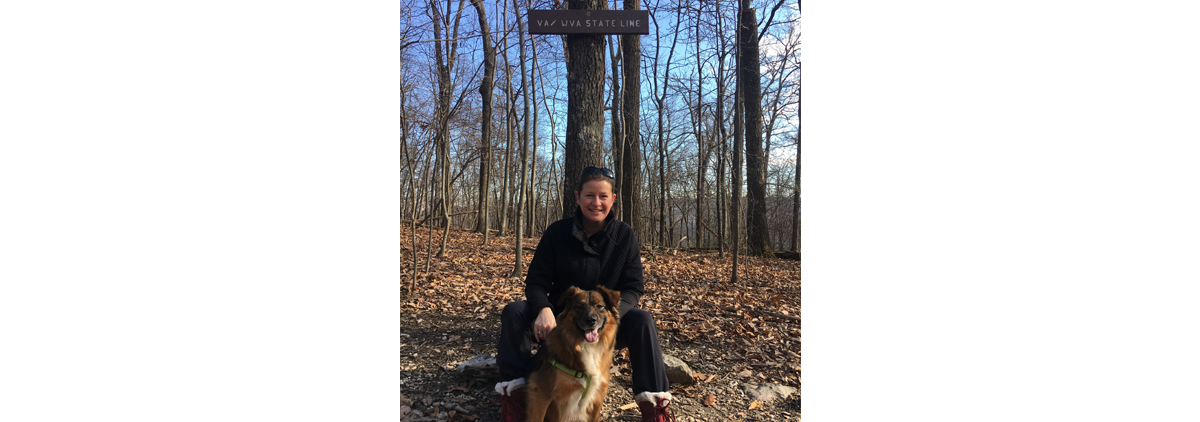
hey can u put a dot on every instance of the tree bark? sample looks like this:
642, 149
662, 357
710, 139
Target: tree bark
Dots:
738, 133
531, 214
509, 109
660, 102
446, 59
585, 90
519, 265
615, 122
631, 162
796, 200
485, 138
757, 240
722, 203
412, 183
701, 151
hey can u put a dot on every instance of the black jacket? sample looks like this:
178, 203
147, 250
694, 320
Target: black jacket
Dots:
566, 257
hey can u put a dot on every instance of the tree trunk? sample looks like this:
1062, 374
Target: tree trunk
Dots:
508, 128
615, 122
757, 240
485, 138
631, 156
796, 200
585, 89
701, 152
408, 160
519, 265
532, 200
660, 102
722, 203
446, 58
550, 181
738, 133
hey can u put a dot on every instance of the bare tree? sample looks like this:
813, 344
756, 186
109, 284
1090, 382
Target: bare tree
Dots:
757, 240
615, 120
631, 153
412, 184
723, 204
796, 200
485, 90
738, 134
585, 89
697, 116
509, 110
661, 108
519, 265
445, 66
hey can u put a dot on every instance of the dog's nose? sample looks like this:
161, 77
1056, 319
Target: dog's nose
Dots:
591, 320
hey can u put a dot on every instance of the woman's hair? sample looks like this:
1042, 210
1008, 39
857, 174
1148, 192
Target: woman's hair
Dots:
596, 173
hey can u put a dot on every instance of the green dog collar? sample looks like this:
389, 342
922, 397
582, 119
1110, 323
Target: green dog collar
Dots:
587, 379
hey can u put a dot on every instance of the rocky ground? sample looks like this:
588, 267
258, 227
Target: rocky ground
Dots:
741, 343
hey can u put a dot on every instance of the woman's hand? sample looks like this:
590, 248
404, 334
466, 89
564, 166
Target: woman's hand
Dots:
544, 323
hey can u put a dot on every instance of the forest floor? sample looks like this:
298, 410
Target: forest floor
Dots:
727, 334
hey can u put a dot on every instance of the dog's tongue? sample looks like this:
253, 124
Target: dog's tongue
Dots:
592, 335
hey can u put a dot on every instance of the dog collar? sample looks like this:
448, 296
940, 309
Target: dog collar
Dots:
587, 379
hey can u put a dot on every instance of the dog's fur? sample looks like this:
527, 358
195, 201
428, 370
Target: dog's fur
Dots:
555, 395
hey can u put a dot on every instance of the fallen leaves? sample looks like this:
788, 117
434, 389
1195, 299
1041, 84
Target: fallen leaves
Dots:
710, 399
732, 327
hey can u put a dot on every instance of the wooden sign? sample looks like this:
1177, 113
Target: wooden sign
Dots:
589, 22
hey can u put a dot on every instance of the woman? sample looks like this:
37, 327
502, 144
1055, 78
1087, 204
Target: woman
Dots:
588, 250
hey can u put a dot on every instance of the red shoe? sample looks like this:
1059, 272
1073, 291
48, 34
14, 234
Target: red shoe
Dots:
655, 407
511, 400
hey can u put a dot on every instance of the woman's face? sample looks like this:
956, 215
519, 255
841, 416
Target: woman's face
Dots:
595, 200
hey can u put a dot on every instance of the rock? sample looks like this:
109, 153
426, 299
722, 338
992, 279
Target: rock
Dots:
677, 371
767, 392
482, 367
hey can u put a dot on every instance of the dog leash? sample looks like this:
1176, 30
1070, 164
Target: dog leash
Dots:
587, 379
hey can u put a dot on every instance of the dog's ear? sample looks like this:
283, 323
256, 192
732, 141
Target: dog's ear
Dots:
567, 297
612, 298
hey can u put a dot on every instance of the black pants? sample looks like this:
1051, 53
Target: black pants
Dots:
637, 331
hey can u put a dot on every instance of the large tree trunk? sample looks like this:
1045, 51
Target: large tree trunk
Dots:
631, 162
585, 89
757, 240
519, 265
485, 138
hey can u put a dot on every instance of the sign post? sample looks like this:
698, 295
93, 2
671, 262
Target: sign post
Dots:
585, 25
595, 22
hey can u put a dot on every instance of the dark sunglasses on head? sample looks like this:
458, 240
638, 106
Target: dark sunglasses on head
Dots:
603, 171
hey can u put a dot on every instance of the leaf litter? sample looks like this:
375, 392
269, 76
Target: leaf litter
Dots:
727, 334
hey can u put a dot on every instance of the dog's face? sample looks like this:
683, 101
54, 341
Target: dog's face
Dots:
589, 311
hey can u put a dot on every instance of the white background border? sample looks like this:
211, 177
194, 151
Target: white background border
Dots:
199, 211
1001, 207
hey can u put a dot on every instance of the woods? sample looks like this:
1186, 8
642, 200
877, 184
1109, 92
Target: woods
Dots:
484, 102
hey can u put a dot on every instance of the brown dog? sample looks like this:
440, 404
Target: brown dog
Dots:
572, 369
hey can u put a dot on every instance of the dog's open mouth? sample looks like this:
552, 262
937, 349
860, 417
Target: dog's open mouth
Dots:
591, 335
